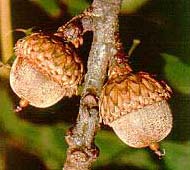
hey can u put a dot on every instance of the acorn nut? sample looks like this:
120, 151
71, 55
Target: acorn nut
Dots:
45, 70
135, 106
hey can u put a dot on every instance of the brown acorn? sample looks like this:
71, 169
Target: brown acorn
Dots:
135, 106
45, 70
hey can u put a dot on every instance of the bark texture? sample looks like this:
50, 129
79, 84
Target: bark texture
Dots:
103, 21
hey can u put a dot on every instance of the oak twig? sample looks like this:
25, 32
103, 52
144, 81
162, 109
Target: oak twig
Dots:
103, 20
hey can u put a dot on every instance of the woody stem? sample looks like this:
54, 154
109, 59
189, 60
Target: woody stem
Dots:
82, 151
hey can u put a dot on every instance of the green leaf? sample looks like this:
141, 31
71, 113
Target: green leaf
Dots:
177, 73
50, 6
115, 153
177, 155
46, 141
75, 7
130, 6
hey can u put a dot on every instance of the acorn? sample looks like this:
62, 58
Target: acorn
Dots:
45, 70
135, 106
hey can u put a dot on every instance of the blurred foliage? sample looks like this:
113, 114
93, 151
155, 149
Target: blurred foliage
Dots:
75, 7
49, 6
34, 138
130, 6
54, 10
177, 73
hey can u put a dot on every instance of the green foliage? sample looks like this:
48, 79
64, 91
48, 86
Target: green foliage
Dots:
177, 73
53, 9
178, 155
75, 7
46, 141
130, 6
50, 6
116, 153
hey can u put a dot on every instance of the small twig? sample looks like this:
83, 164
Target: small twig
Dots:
136, 42
6, 30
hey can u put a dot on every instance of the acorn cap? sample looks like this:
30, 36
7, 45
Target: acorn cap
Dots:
130, 92
51, 57
45, 70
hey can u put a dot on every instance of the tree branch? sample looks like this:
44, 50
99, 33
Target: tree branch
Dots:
82, 151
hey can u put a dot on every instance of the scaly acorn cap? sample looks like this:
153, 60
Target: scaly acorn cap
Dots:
45, 70
135, 106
